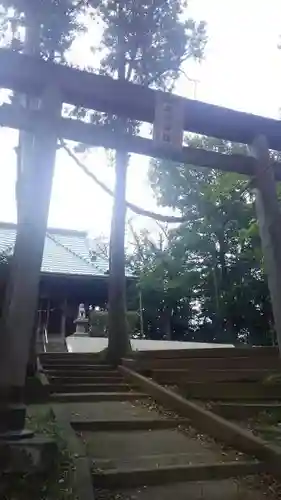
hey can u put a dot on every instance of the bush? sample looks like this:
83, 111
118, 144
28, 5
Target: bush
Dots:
99, 323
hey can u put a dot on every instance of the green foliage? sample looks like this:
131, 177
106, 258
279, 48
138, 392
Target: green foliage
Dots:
145, 43
58, 21
163, 286
150, 40
207, 282
99, 322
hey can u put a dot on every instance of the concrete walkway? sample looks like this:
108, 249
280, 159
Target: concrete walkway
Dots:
97, 344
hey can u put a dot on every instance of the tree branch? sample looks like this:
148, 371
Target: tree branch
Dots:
137, 242
134, 208
163, 229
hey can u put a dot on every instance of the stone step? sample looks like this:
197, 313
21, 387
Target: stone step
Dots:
128, 424
97, 396
240, 411
220, 489
176, 376
53, 347
56, 345
86, 380
78, 388
215, 352
231, 391
79, 366
69, 356
274, 431
126, 476
204, 363
123, 447
82, 373
109, 410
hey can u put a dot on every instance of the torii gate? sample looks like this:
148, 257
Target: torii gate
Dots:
54, 85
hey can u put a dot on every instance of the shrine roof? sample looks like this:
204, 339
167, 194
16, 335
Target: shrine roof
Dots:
65, 251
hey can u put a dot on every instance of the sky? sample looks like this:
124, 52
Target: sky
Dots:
241, 70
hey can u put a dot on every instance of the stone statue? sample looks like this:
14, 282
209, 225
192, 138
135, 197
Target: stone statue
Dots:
81, 321
81, 311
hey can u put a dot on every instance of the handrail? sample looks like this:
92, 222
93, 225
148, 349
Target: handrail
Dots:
48, 343
45, 339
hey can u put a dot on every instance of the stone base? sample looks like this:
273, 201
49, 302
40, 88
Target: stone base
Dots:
16, 435
81, 327
30, 455
36, 389
12, 418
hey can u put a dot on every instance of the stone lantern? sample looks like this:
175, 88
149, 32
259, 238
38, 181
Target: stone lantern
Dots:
81, 322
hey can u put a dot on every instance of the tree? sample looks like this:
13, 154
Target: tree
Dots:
145, 43
205, 279
220, 245
164, 287
55, 22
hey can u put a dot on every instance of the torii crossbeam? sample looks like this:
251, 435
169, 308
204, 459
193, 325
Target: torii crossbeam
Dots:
31, 76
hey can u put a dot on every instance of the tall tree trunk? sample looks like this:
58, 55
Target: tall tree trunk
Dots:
228, 320
166, 322
218, 321
118, 331
118, 335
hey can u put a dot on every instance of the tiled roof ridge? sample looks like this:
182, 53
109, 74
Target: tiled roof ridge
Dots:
79, 256
58, 243
52, 237
55, 230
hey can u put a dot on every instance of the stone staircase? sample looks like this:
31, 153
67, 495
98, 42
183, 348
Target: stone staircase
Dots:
132, 449
81, 377
51, 344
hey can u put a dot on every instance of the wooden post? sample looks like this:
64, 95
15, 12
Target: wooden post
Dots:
19, 320
48, 315
141, 315
63, 317
269, 219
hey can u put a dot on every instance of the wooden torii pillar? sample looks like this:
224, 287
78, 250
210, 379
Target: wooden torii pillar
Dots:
25, 269
269, 220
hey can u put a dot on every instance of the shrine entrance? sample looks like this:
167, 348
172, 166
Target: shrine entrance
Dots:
54, 85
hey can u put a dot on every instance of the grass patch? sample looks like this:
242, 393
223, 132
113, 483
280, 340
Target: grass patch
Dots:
265, 418
57, 485
274, 379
